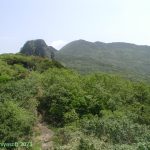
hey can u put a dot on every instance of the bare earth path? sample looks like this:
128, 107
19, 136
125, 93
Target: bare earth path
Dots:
45, 136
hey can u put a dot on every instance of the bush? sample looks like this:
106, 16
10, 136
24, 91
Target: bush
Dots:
16, 122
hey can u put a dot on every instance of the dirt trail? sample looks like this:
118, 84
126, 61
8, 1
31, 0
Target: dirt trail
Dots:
45, 137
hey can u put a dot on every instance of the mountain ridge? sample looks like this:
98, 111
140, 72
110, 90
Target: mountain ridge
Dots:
125, 43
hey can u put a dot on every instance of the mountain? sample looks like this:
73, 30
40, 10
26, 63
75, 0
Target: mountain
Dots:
128, 59
117, 57
38, 48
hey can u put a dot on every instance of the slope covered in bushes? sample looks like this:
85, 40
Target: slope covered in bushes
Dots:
96, 111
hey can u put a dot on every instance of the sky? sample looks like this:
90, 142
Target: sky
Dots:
61, 21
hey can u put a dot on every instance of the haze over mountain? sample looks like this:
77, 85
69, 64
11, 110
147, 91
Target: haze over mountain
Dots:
87, 56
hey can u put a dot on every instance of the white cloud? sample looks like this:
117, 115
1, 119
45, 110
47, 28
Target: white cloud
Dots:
58, 44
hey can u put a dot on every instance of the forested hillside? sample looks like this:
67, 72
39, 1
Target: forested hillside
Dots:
86, 112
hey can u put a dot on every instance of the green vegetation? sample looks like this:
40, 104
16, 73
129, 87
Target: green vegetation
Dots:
88, 112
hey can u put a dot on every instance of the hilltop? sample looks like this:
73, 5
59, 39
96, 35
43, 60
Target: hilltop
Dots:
38, 48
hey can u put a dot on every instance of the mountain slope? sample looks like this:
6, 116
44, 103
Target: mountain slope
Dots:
86, 56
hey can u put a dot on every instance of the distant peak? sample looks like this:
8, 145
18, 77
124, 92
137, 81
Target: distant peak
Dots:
80, 40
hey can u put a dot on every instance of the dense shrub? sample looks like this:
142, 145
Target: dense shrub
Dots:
116, 130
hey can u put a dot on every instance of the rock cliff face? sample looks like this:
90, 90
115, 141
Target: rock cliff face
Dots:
38, 48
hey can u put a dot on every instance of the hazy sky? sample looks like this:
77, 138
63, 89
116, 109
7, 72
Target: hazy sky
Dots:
62, 21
